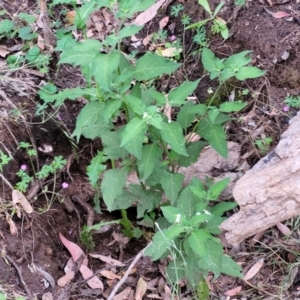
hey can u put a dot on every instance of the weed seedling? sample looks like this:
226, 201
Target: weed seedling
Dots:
263, 145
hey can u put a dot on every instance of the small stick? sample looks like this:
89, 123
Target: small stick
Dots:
20, 275
124, 278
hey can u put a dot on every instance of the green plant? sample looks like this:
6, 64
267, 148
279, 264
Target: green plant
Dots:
292, 101
219, 25
125, 110
187, 235
263, 145
3, 297
240, 2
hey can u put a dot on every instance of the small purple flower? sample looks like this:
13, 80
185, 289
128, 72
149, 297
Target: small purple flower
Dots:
64, 185
23, 167
172, 38
58, 117
286, 108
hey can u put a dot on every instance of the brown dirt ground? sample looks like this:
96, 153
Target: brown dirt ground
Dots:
36, 241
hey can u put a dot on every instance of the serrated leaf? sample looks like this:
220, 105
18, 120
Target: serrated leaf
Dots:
83, 13
135, 145
187, 201
171, 213
178, 96
232, 106
103, 67
215, 135
150, 66
193, 149
81, 54
111, 106
151, 154
160, 241
172, 184
217, 188
136, 104
172, 134
129, 31
213, 224
6, 26
221, 119
213, 260
148, 201
185, 117
220, 208
211, 62
196, 220
98, 129
95, 168
89, 115
249, 72
197, 240
111, 145
112, 185
230, 267
135, 127
238, 60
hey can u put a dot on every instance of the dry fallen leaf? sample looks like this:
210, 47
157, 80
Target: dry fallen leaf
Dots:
257, 238
94, 282
109, 274
168, 111
61, 282
125, 294
120, 238
108, 260
70, 16
254, 270
163, 22
169, 52
148, 14
147, 39
18, 197
40, 42
280, 14
192, 137
283, 229
233, 291
12, 226
3, 51
141, 289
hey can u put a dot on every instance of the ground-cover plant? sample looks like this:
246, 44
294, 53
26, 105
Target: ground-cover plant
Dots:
218, 24
140, 141
292, 101
263, 144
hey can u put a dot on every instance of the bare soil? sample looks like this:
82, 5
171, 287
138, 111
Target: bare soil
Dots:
36, 241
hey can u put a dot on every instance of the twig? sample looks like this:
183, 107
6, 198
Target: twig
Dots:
20, 275
124, 278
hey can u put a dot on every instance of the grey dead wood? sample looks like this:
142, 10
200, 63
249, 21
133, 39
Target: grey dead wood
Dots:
269, 193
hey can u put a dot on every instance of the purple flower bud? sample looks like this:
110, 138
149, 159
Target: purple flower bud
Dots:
64, 185
286, 108
23, 167
172, 38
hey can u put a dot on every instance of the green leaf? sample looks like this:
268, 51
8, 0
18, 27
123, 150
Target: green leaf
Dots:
236, 61
135, 127
249, 72
33, 53
161, 241
220, 208
216, 189
213, 260
178, 96
196, 220
98, 129
129, 7
89, 115
197, 240
230, 267
193, 149
151, 155
187, 201
103, 67
176, 270
221, 119
150, 66
135, 104
202, 289
83, 13
112, 185
111, 142
205, 5
27, 17
129, 31
81, 54
214, 134
148, 201
171, 213
95, 168
211, 62
232, 106
25, 33
172, 184
135, 145
172, 134
199, 192
185, 117
6, 26
110, 108
213, 224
